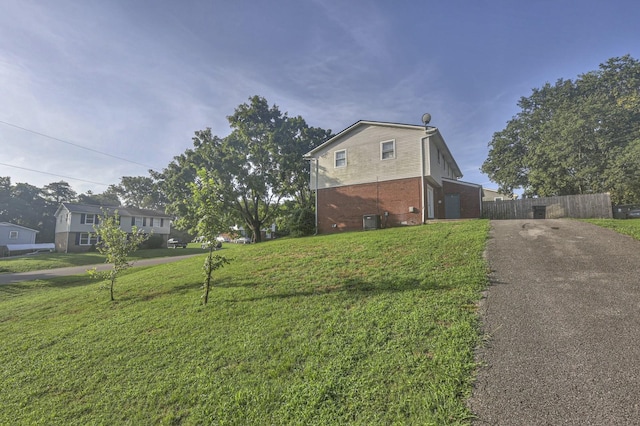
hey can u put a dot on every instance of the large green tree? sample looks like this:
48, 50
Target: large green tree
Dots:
251, 170
57, 192
107, 198
574, 137
5, 198
140, 192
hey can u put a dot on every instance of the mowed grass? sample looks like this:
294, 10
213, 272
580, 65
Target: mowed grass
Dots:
61, 260
629, 227
362, 328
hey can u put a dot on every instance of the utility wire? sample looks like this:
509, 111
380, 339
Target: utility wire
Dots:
53, 174
77, 145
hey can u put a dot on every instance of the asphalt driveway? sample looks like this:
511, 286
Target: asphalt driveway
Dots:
17, 277
562, 322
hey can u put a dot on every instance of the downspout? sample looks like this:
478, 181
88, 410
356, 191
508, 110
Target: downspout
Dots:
316, 161
422, 197
316, 190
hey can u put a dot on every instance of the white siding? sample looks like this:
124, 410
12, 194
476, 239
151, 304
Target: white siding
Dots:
62, 221
364, 163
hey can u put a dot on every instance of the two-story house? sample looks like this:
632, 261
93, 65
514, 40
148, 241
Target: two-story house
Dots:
75, 224
376, 174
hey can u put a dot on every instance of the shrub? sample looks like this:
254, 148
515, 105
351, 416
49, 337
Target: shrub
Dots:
154, 242
302, 222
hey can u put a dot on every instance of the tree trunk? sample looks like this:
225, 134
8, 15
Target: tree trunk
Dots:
207, 283
257, 236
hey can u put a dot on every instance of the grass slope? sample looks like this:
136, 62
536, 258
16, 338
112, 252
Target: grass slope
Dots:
61, 260
628, 227
360, 328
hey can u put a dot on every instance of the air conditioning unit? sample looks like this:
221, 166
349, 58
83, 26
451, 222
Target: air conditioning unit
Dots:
370, 221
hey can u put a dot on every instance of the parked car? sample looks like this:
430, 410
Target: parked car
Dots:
216, 244
242, 240
223, 239
633, 214
175, 243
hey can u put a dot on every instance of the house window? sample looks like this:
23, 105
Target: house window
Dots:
88, 238
144, 221
13, 235
133, 220
341, 158
161, 223
498, 199
151, 222
387, 150
90, 219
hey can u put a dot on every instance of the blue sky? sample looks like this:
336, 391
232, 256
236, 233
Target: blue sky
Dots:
135, 78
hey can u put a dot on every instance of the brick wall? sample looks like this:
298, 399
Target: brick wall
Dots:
470, 196
342, 208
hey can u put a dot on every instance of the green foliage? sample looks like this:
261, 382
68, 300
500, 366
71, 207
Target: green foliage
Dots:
574, 137
109, 198
360, 328
302, 222
207, 218
62, 260
153, 242
629, 227
58, 192
253, 169
140, 192
116, 245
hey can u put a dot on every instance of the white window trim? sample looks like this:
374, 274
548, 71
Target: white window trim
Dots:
90, 216
89, 238
335, 159
393, 151
13, 235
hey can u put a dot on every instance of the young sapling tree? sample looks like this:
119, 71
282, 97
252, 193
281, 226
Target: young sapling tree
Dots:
116, 245
206, 216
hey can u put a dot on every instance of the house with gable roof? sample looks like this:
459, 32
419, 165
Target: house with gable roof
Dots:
75, 224
377, 175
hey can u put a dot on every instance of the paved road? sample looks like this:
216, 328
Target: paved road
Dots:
562, 318
79, 270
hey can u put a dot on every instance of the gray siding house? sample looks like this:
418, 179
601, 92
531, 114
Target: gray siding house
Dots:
16, 234
75, 222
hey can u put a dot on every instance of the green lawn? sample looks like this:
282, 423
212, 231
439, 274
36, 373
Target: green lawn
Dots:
629, 227
362, 328
61, 260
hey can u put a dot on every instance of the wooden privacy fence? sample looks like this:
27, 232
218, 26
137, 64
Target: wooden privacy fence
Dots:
584, 206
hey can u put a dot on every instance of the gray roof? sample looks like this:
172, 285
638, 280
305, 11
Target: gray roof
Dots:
122, 211
13, 225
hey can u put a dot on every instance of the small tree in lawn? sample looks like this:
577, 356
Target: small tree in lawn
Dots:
206, 216
116, 245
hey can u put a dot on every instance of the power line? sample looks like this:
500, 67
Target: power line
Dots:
76, 145
53, 174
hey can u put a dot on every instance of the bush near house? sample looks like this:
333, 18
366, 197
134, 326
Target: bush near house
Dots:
373, 327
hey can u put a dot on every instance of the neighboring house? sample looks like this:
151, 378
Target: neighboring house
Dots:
495, 195
18, 240
75, 222
16, 234
376, 174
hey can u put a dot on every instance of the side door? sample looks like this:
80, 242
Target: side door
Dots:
452, 206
